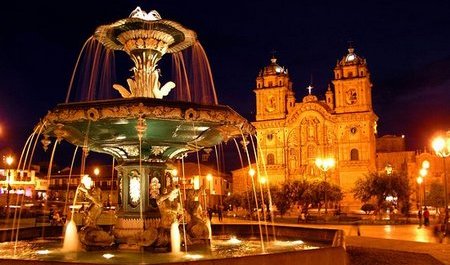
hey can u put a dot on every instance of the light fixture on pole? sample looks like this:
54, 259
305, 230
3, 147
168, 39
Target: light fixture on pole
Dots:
441, 146
9, 160
324, 164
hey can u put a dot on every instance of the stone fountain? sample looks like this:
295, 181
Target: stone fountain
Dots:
144, 132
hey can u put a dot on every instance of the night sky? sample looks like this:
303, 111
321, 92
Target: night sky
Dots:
406, 44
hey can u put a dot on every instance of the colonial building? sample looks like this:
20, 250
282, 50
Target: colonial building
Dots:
341, 124
292, 134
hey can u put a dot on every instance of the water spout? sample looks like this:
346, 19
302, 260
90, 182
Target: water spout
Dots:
175, 237
71, 242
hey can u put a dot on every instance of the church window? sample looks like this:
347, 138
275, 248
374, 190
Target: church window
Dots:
270, 159
362, 73
281, 83
337, 76
270, 136
354, 154
270, 83
259, 85
350, 74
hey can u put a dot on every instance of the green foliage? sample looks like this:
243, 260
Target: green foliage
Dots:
281, 199
289, 193
235, 200
435, 196
377, 187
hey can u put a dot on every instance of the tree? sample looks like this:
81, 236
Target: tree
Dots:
378, 187
282, 200
435, 197
235, 200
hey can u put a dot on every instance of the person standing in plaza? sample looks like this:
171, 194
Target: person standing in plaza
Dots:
220, 212
426, 217
419, 216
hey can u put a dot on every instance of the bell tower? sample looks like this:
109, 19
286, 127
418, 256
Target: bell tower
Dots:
352, 84
274, 95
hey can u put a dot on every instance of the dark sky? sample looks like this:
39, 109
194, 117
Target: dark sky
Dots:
406, 44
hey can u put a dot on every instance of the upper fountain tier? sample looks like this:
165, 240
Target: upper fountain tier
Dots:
145, 37
143, 31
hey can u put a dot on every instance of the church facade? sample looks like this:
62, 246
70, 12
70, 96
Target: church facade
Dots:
292, 134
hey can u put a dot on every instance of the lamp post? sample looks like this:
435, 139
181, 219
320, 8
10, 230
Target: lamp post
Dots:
419, 181
324, 164
209, 178
441, 146
423, 172
9, 161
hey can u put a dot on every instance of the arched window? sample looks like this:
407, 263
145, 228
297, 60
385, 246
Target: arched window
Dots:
350, 74
337, 76
270, 159
354, 155
281, 83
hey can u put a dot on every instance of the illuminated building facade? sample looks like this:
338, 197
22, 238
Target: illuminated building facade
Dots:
291, 134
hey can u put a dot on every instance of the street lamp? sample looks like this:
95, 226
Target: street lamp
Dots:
423, 172
96, 171
9, 160
441, 146
324, 164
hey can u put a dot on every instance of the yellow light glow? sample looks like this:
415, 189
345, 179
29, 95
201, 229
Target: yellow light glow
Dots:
441, 145
419, 180
262, 180
426, 164
96, 171
174, 172
388, 169
423, 172
135, 189
9, 160
233, 240
251, 172
193, 256
87, 181
108, 256
209, 177
43, 252
196, 183
325, 164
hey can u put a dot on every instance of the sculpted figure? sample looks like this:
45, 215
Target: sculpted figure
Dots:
92, 235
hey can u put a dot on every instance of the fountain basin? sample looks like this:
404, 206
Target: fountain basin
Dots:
323, 246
